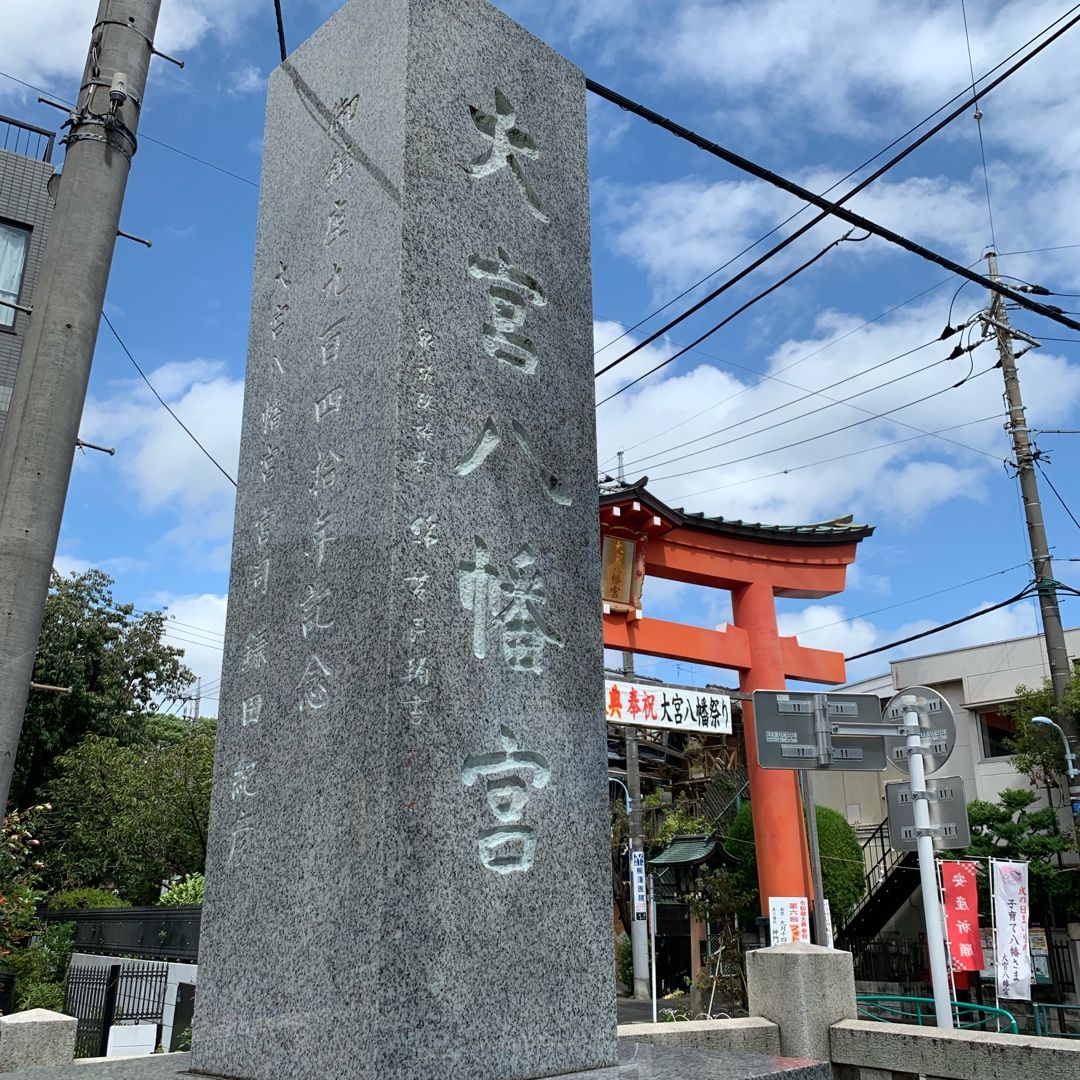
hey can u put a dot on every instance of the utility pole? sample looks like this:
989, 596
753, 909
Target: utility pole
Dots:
43, 419
198, 700
639, 930
1054, 635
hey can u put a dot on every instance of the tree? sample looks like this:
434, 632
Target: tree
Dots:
115, 662
1037, 750
128, 817
1010, 829
843, 875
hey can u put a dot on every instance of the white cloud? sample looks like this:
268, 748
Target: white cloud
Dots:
248, 80
161, 464
70, 564
46, 43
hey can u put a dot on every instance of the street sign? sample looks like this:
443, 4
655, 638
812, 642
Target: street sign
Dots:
947, 803
818, 731
654, 705
637, 882
936, 726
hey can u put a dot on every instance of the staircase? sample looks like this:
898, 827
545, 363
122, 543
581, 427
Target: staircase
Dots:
891, 878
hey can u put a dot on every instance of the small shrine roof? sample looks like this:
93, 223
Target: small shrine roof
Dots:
822, 532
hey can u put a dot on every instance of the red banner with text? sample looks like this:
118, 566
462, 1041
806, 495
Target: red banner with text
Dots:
962, 915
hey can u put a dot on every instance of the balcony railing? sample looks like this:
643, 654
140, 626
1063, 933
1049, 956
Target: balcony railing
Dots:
18, 137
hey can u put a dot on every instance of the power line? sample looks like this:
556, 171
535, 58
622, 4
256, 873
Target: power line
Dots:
787, 367
143, 137
723, 322
825, 434
849, 454
1025, 592
280, 30
834, 209
1038, 251
978, 123
164, 403
816, 393
1064, 504
858, 168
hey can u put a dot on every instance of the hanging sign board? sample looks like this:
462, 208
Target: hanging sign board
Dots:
654, 705
947, 802
1010, 900
791, 734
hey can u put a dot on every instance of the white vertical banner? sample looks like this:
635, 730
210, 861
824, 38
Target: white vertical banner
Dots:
1011, 918
828, 924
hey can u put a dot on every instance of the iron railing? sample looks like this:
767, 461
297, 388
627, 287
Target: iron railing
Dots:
26, 139
879, 859
1059, 1021
99, 997
897, 1009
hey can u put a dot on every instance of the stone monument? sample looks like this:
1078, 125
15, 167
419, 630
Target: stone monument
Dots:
408, 871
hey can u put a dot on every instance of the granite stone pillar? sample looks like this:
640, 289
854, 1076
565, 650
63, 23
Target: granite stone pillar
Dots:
408, 871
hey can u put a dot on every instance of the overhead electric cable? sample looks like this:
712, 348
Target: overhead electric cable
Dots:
851, 454
634, 462
858, 168
978, 123
825, 434
143, 137
943, 626
834, 209
765, 375
164, 404
723, 322
280, 30
1064, 504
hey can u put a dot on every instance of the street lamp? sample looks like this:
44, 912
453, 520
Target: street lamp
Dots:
626, 791
1071, 771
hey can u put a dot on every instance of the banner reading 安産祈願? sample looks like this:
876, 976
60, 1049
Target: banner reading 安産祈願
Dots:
1011, 915
958, 883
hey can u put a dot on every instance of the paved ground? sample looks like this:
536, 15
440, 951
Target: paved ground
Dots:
634, 1012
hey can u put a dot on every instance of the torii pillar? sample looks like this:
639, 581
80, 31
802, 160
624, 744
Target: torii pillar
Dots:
756, 563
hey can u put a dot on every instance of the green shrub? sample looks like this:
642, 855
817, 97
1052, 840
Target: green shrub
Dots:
187, 891
45, 995
82, 899
842, 872
626, 962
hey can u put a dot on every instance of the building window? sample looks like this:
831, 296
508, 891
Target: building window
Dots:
14, 242
996, 729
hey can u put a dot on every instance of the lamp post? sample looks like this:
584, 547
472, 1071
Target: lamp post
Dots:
1071, 771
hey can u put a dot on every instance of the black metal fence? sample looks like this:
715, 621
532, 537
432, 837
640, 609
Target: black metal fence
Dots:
99, 997
155, 933
26, 139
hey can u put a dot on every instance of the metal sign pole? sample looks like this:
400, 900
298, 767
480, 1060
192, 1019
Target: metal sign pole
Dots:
935, 938
821, 933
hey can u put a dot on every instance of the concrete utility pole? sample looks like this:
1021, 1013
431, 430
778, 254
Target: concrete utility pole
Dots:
46, 407
1056, 650
639, 930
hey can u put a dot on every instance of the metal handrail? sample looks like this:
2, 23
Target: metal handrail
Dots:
878, 871
1041, 1011
21, 133
898, 1008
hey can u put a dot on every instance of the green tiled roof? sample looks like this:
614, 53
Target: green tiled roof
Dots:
685, 849
821, 532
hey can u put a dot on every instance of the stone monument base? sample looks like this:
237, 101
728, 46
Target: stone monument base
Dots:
637, 1061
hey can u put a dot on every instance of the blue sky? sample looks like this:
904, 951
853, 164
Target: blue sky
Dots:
808, 87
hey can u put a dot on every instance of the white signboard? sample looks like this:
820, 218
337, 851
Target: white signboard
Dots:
637, 883
1012, 960
656, 706
789, 919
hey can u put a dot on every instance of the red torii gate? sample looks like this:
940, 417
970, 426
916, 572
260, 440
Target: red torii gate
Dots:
756, 563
